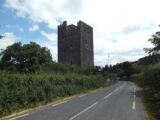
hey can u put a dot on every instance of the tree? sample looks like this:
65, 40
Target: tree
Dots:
96, 70
155, 40
25, 58
123, 70
1, 36
0, 50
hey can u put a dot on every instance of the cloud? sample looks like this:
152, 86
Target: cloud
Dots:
119, 56
50, 36
120, 27
137, 28
130, 52
8, 39
52, 47
128, 47
73, 6
37, 11
15, 26
34, 28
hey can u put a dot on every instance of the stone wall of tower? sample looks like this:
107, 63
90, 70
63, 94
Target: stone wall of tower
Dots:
75, 44
86, 36
62, 34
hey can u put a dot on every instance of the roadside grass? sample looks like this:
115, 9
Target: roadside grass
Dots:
24, 91
44, 104
149, 81
147, 109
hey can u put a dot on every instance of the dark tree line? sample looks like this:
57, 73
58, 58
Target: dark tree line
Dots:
121, 70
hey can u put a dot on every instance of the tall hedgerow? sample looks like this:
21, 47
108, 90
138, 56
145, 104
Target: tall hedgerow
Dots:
21, 91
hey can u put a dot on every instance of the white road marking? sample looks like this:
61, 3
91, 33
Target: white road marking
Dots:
134, 105
112, 92
117, 89
83, 111
19, 116
81, 96
134, 96
59, 103
134, 89
108, 95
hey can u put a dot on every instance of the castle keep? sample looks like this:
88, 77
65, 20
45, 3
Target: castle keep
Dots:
75, 44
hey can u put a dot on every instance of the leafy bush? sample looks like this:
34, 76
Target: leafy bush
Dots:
150, 82
152, 89
20, 91
24, 58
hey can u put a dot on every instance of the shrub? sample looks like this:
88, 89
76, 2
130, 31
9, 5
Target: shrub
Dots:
20, 91
151, 84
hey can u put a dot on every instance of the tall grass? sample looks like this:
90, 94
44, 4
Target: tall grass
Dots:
149, 80
20, 91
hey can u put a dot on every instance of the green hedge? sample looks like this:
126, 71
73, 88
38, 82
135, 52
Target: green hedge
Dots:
21, 91
149, 80
151, 85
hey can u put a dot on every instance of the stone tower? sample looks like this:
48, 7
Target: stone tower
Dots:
75, 44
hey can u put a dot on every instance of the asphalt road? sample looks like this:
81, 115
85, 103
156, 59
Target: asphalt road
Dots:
120, 101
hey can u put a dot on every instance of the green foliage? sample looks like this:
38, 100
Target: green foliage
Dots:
20, 91
62, 68
151, 85
96, 70
155, 40
31, 58
25, 58
149, 80
148, 60
1, 36
122, 70
127, 70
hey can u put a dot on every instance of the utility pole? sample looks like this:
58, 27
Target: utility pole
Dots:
108, 59
108, 80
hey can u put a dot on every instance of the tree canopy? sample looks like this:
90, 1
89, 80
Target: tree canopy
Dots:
1, 36
25, 58
155, 40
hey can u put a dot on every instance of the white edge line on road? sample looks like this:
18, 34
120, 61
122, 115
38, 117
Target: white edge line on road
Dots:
112, 92
135, 89
59, 103
83, 111
116, 90
108, 95
81, 96
19, 116
134, 105
134, 96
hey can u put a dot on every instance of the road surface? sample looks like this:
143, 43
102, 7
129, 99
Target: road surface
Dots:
117, 102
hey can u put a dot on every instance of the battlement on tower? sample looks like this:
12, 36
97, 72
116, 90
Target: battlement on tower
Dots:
73, 27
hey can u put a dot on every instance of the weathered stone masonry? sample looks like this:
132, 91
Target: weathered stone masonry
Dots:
75, 44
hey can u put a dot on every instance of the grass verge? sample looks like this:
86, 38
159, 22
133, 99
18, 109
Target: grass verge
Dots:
43, 105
